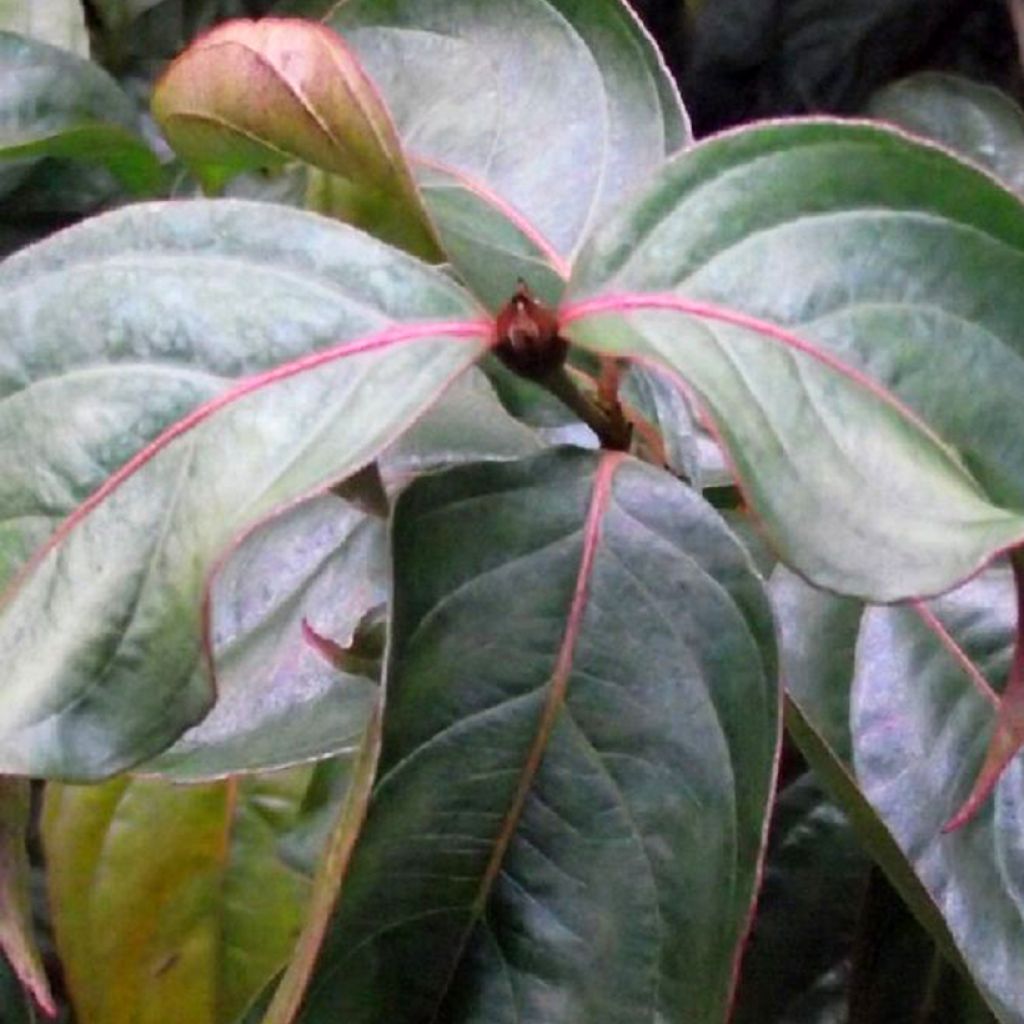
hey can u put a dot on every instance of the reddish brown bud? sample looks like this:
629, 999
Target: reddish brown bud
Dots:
528, 338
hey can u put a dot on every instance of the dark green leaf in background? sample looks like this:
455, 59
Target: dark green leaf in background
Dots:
974, 120
55, 104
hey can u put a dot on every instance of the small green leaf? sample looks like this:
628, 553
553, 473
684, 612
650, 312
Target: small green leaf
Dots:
259, 93
577, 757
172, 896
54, 104
974, 120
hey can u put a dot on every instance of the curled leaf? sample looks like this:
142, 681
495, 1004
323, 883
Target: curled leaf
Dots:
254, 94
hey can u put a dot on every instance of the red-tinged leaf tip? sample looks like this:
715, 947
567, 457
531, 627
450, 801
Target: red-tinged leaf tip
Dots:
1008, 735
328, 649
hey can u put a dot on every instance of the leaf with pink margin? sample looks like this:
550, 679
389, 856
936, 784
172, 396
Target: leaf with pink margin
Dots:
258, 93
840, 300
105, 624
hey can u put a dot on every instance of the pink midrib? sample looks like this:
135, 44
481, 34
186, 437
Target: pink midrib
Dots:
469, 329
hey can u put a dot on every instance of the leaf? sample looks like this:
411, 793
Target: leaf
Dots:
468, 424
278, 701
171, 373
557, 108
819, 634
798, 271
1008, 732
57, 22
315, 104
17, 942
54, 104
577, 758
756, 58
975, 120
920, 712
171, 896
801, 940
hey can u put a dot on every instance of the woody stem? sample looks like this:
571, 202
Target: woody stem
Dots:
611, 428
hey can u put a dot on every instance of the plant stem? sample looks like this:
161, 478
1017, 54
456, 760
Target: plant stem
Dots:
610, 425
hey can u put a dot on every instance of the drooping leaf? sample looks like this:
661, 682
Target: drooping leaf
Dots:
819, 633
278, 701
556, 107
258, 93
975, 120
800, 271
55, 104
57, 22
17, 943
577, 757
312, 347
172, 896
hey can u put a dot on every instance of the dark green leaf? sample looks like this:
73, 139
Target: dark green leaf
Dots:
577, 756
807, 912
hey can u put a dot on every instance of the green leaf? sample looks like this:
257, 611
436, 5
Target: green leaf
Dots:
975, 120
54, 104
815, 871
577, 759
17, 943
279, 701
920, 713
57, 22
171, 896
315, 104
819, 634
271, 332
556, 107
800, 270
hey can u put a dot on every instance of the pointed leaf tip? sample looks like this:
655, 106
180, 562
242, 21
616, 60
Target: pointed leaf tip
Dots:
1008, 735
